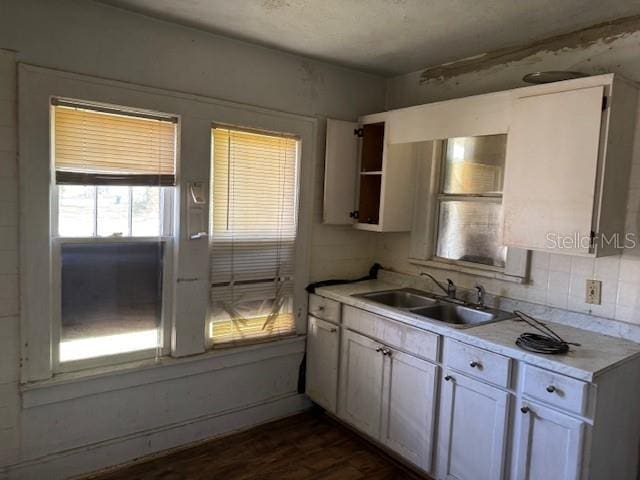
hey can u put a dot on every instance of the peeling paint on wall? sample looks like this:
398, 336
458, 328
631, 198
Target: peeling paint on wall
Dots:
604, 33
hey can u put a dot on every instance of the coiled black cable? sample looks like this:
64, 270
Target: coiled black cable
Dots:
547, 341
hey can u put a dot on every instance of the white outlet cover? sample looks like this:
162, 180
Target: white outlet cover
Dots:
593, 292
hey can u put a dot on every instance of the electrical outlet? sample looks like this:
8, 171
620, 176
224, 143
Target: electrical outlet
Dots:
594, 288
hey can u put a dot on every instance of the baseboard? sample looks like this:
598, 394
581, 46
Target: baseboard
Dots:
91, 458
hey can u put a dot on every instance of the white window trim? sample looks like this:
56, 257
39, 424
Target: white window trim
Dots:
190, 282
425, 227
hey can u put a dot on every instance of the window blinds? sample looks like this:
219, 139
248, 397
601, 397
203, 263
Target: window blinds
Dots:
100, 146
253, 232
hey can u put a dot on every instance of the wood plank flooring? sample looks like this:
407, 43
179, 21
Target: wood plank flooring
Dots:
308, 446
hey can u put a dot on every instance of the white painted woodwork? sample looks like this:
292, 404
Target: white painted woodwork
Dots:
415, 341
342, 178
462, 117
550, 444
555, 389
191, 272
476, 362
360, 392
323, 349
392, 399
324, 308
473, 429
551, 169
617, 153
398, 187
409, 407
427, 180
340, 172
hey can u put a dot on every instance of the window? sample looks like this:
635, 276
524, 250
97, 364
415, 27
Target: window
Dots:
470, 201
253, 224
115, 173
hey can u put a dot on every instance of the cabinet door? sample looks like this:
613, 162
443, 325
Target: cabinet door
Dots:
473, 427
361, 383
340, 172
408, 407
550, 444
323, 343
551, 168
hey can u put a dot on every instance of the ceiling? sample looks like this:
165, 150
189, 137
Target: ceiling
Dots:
386, 36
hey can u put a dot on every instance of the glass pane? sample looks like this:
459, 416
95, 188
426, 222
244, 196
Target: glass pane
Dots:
474, 164
472, 232
246, 313
76, 210
111, 299
113, 211
145, 211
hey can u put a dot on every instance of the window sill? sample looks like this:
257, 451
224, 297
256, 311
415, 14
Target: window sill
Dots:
68, 386
476, 271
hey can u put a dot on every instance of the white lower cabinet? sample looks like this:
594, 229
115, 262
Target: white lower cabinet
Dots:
360, 398
385, 377
549, 446
323, 349
473, 429
408, 407
390, 396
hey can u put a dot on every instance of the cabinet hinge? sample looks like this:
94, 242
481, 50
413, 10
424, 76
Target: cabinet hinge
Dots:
605, 102
355, 214
358, 132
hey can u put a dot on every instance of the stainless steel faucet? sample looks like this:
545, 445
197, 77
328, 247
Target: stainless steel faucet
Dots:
480, 296
450, 289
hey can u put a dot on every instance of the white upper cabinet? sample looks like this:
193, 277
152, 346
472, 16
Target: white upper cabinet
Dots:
567, 166
568, 157
340, 172
367, 183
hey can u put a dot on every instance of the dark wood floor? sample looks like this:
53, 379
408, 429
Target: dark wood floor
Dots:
306, 446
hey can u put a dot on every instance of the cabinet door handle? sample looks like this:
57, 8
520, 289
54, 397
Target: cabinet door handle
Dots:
321, 308
379, 349
525, 409
387, 352
448, 378
551, 389
475, 364
333, 330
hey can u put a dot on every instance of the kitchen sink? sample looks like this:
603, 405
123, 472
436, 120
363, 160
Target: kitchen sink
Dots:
461, 316
405, 298
453, 312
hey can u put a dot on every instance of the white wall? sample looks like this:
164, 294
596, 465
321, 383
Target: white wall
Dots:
79, 426
9, 298
556, 280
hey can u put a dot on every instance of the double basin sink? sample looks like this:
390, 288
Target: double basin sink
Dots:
435, 308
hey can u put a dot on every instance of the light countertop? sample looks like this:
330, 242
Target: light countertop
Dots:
596, 354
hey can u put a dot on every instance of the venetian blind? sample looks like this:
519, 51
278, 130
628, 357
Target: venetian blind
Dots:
254, 190
96, 146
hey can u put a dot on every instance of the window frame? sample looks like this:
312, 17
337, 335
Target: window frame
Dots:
441, 197
167, 226
209, 339
189, 285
